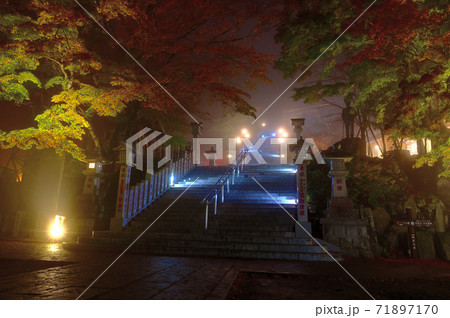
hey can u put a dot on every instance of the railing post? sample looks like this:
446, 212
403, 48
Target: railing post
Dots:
215, 205
146, 199
136, 200
141, 195
130, 203
228, 185
158, 183
234, 171
206, 216
167, 177
223, 194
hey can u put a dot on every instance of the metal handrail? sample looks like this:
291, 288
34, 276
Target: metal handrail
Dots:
219, 185
224, 177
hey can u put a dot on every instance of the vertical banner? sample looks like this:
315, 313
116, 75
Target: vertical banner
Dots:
122, 191
302, 204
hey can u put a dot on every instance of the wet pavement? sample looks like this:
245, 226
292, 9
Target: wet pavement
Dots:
39, 270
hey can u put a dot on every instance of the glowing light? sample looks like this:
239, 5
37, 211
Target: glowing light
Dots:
282, 156
274, 134
171, 180
230, 156
263, 124
53, 248
91, 165
281, 130
263, 136
57, 228
284, 134
281, 139
238, 140
244, 131
247, 136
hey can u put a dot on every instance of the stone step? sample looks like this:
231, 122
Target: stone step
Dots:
206, 235
214, 251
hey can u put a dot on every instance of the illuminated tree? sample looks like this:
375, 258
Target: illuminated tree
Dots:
196, 49
391, 66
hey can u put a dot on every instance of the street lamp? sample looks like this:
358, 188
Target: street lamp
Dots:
94, 165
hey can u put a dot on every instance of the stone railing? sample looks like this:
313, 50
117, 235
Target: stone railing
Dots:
132, 200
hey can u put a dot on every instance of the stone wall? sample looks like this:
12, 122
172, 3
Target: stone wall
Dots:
350, 235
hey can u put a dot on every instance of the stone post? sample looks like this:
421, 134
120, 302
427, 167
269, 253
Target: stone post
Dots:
123, 193
302, 203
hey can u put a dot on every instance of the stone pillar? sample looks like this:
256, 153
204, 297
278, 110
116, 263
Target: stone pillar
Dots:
302, 204
119, 219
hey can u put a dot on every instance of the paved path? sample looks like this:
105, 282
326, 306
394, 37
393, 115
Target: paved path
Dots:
159, 277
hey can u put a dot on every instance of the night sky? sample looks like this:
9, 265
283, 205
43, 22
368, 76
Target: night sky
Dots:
322, 123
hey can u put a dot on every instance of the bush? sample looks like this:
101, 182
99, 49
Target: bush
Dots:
375, 182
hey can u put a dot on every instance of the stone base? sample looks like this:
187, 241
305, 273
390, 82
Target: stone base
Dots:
116, 224
351, 236
300, 232
338, 206
425, 245
442, 242
82, 226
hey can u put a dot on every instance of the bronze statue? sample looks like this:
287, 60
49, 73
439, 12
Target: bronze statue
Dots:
349, 119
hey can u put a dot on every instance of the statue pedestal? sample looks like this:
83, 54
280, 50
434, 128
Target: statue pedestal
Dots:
343, 225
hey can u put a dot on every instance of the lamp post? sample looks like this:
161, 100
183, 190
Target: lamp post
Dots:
90, 194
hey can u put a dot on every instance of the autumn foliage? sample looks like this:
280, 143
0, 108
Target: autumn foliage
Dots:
55, 57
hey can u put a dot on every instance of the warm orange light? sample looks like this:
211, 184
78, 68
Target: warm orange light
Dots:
57, 227
238, 140
263, 124
281, 130
244, 131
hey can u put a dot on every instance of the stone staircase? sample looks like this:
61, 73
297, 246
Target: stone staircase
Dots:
249, 224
